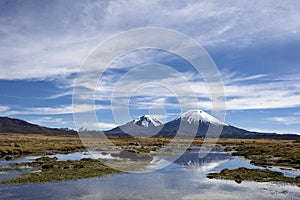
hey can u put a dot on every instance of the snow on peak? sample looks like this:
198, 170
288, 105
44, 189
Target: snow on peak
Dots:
147, 120
193, 116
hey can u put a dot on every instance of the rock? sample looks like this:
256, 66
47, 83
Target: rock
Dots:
78, 166
210, 176
46, 159
134, 144
128, 154
47, 166
8, 157
224, 171
133, 155
86, 159
238, 179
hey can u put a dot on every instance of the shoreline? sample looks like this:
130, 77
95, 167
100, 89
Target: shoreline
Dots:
260, 152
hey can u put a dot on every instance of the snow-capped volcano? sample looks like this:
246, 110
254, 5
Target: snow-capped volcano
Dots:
195, 116
191, 123
147, 120
188, 122
145, 125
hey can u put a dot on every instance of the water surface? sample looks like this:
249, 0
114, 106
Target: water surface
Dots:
184, 179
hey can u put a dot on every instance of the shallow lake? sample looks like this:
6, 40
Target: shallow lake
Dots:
184, 179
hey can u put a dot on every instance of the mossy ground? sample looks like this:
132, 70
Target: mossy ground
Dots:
258, 175
266, 152
18, 145
52, 170
262, 152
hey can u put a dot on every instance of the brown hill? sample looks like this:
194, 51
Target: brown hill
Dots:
11, 125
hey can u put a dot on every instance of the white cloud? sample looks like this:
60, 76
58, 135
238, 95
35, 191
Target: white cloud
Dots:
56, 96
106, 126
97, 126
234, 77
285, 120
59, 110
4, 108
50, 40
50, 121
275, 130
240, 93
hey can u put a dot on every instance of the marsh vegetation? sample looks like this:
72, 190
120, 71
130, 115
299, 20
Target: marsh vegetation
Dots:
138, 152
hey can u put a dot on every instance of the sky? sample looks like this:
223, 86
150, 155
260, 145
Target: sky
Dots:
254, 44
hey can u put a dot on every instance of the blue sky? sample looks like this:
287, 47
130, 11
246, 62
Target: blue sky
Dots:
255, 46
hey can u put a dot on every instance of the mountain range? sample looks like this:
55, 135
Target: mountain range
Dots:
193, 123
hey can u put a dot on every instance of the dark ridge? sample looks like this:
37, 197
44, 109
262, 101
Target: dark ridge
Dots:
12, 125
